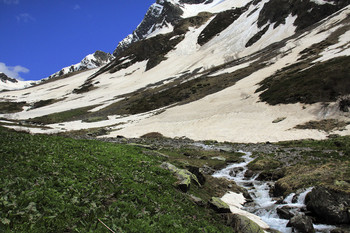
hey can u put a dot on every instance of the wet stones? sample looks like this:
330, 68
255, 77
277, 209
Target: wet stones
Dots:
249, 174
285, 212
280, 189
235, 171
329, 206
301, 223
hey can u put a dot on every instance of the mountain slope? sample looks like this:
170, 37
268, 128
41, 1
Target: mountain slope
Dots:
242, 71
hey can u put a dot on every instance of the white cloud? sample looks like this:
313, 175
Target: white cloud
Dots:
13, 71
9, 2
25, 17
76, 7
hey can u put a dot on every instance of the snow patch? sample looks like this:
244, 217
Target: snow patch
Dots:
216, 6
322, 2
16, 86
159, 29
342, 48
235, 201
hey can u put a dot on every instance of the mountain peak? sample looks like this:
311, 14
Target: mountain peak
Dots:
161, 15
160, 18
4, 78
91, 61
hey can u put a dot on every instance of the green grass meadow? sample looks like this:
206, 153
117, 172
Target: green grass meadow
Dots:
57, 184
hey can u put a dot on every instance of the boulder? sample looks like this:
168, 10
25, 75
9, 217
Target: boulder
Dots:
184, 176
197, 172
279, 200
218, 205
273, 175
280, 189
285, 212
235, 171
329, 206
340, 230
249, 174
301, 223
206, 170
197, 200
242, 224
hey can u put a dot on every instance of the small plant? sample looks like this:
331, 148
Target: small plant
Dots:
95, 119
326, 125
279, 120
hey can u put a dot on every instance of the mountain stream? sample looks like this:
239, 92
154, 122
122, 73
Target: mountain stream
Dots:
264, 206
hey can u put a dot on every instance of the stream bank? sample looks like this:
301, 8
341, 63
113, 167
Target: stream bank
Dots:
264, 206
283, 172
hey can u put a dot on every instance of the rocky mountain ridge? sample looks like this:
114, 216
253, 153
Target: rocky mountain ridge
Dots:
5, 78
163, 15
7, 83
91, 61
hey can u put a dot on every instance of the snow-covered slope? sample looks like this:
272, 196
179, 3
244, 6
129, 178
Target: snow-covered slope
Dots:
91, 61
164, 14
7, 83
241, 71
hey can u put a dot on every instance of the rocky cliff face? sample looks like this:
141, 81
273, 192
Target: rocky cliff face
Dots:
162, 14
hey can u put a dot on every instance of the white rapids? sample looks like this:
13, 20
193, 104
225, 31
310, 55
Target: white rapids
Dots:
265, 207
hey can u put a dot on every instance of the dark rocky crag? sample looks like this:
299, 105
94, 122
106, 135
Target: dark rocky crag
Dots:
329, 206
101, 58
308, 12
4, 78
160, 14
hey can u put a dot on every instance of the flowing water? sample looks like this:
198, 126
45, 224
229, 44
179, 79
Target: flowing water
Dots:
264, 206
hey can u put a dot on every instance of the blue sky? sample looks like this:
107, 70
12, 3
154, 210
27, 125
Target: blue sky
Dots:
39, 37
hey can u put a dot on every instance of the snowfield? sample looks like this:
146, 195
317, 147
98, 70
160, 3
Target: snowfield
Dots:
234, 114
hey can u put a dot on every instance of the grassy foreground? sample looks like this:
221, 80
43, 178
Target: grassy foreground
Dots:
57, 184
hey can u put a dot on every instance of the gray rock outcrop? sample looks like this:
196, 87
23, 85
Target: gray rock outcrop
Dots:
329, 206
